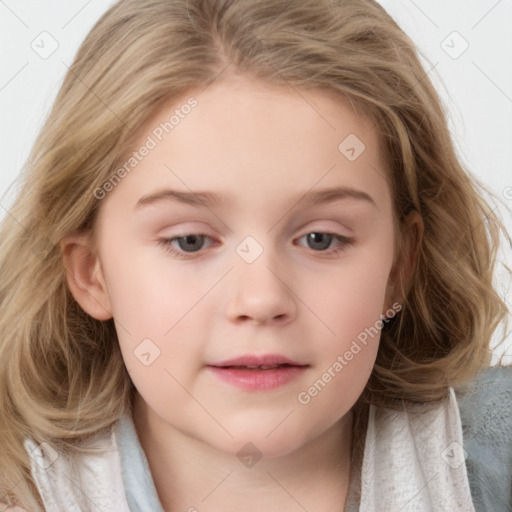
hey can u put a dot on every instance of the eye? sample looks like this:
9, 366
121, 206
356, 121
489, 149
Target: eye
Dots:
189, 243
319, 241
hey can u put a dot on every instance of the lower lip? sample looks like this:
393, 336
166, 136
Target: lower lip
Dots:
259, 380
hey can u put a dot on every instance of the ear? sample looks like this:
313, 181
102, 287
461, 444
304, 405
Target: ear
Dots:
402, 272
84, 276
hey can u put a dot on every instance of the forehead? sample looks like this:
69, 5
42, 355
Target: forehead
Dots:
256, 143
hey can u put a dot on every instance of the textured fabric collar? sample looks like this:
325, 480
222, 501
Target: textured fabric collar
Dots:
413, 460
79, 482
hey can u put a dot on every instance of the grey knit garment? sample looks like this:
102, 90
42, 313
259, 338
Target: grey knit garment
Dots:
485, 408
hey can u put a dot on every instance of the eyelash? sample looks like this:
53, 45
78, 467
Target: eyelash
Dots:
166, 244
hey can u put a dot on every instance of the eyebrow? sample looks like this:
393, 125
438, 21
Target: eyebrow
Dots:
208, 199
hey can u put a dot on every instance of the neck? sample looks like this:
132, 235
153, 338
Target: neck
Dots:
190, 475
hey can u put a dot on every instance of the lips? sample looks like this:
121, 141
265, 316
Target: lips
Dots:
260, 367
258, 373
263, 362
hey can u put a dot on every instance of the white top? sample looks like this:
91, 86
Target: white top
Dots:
413, 461
78, 482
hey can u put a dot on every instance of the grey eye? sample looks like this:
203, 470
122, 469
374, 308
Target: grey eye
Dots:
319, 241
190, 243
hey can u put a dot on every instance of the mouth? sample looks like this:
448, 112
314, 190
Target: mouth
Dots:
253, 361
258, 373
258, 367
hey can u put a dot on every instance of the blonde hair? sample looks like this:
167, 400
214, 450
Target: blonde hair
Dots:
61, 372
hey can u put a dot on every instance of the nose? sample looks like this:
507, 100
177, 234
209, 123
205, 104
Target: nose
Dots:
261, 294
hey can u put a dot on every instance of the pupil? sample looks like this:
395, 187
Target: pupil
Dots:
323, 239
190, 239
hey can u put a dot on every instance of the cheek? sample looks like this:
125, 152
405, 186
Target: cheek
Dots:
152, 310
352, 310
350, 304
148, 292
351, 297
331, 393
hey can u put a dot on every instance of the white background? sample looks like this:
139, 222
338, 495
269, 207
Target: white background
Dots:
475, 86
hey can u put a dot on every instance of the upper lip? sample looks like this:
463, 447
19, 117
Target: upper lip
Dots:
258, 360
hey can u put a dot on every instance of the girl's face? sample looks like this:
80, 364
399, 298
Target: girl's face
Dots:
257, 224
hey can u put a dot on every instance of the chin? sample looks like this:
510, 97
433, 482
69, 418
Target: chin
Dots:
259, 444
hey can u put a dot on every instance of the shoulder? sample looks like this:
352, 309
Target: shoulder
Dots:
94, 462
485, 407
485, 404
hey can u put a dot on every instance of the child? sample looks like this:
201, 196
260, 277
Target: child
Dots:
256, 370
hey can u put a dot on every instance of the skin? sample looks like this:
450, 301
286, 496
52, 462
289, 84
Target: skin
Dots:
263, 147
